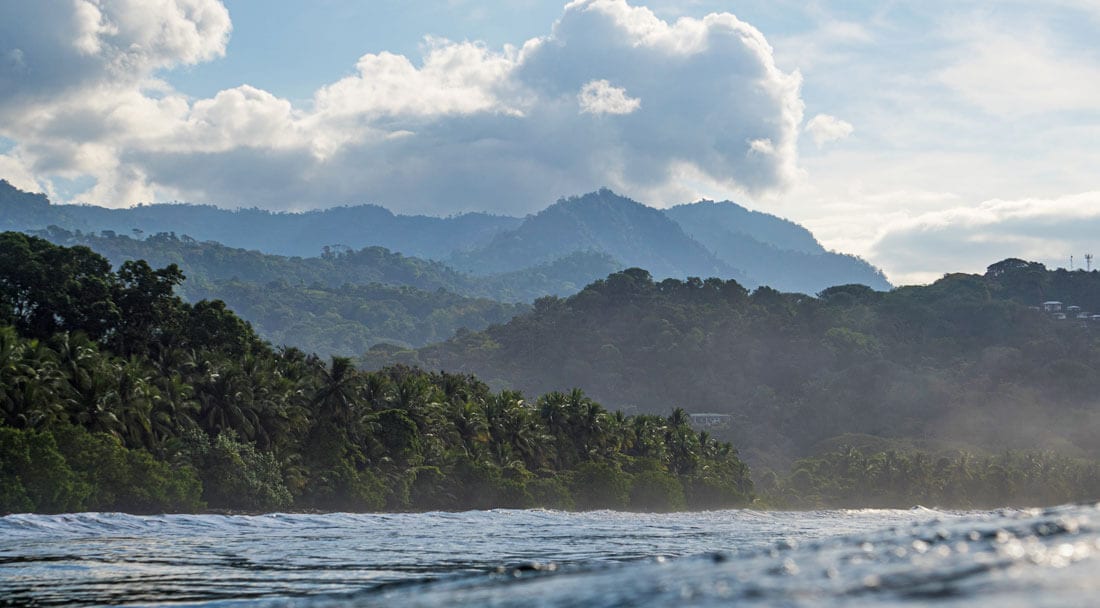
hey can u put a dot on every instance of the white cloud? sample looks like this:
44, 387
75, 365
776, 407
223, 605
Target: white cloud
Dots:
454, 79
1016, 74
53, 46
18, 174
599, 97
969, 238
825, 129
462, 127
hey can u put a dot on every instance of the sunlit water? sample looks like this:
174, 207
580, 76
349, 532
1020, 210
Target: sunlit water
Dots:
551, 558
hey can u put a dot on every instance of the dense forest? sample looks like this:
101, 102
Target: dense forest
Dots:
207, 263
344, 301
116, 394
969, 362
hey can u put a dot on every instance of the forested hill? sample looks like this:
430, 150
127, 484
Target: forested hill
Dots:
343, 302
629, 231
207, 262
965, 359
772, 251
702, 239
292, 234
116, 395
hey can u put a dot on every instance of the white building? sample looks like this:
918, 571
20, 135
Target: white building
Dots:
710, 419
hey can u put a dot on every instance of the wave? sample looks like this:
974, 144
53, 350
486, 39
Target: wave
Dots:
554, 558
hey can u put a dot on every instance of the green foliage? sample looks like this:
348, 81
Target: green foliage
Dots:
656, 490
965, 359
128, 480
601, 485
848, 477
34, 475
235, 475
551, 493
88, 472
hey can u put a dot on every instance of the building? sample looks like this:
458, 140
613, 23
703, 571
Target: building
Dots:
710, 419
1052, 306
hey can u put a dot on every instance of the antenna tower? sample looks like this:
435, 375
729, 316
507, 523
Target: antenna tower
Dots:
1088, 262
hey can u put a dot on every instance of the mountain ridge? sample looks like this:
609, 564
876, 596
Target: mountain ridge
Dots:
632, 233
704, 239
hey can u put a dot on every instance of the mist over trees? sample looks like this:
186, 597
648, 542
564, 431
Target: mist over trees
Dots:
969, 360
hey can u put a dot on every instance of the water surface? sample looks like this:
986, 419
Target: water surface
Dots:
552, 558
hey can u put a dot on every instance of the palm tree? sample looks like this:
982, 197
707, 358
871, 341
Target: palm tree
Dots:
224, 399
136, 396
34, 385
335, 398
470, 425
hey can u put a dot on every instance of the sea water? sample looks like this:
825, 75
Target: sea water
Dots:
526, 558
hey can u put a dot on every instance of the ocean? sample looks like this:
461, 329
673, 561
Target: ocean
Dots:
1048, 557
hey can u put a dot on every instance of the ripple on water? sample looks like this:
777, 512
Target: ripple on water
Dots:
552, 558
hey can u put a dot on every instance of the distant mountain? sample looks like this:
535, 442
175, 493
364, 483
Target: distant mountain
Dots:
600, 232
209, 262
628, 231
734, 219
771, 250
344, 301
294, 234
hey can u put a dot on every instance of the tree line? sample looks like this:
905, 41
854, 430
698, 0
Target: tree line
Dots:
967, 359
118, 395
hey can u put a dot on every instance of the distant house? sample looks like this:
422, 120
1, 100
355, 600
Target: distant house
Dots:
710, 419
1052, 306
1073, 310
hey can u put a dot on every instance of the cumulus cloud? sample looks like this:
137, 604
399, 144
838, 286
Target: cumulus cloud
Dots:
613, 95
53, 46
968, 238
824, 129
599, 97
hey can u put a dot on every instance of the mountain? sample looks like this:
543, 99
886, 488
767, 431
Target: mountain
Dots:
208, 262
601, 230
292, 234
628, 231
736, 220
344, 301
770, 250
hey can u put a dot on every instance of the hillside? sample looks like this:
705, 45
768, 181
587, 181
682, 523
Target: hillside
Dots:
964, 359
116, 395
344, 301
628, 231
291, 234
772, 251
734, 219
701, 239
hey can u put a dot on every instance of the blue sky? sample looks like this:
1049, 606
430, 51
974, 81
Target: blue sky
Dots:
927, 136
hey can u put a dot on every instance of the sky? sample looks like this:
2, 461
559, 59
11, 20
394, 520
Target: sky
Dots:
926, 136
